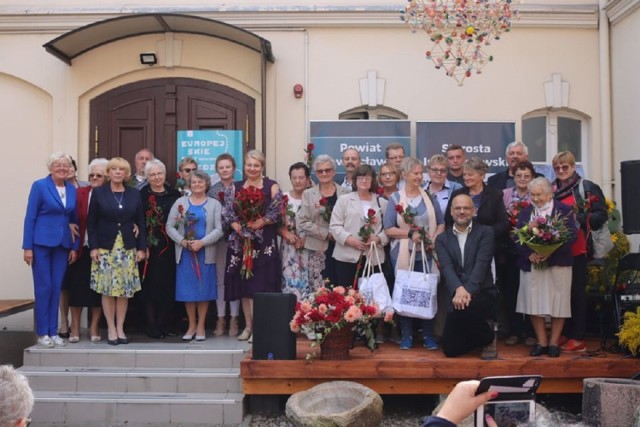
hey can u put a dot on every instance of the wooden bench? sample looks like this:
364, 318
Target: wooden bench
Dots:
13, 306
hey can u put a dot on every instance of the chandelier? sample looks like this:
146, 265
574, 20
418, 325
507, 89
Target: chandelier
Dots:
459, 31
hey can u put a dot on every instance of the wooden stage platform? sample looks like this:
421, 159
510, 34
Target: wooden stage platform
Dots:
390, 370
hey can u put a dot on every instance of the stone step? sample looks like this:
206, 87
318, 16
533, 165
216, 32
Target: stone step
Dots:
136, 409
136, 380
133, 356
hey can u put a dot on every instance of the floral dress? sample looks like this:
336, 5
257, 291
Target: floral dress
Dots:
267, 268
295, 272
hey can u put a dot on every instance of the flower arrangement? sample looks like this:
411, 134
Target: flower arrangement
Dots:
629, 335
288, 214
327, 209
309, 155
330, 310
409, 217
544, 235
599, 276
188, 220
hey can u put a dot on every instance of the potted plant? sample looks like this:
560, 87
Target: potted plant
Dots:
335, 314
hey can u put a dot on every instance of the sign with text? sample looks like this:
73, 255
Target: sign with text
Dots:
369, 137
487, 140
206, 145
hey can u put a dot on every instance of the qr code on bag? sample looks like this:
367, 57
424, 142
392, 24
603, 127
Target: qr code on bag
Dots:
416, 298
367, 294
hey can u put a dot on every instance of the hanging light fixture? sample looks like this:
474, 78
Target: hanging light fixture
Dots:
459, 31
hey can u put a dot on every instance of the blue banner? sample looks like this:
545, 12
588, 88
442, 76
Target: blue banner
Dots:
369, 137
487, 140
206, 145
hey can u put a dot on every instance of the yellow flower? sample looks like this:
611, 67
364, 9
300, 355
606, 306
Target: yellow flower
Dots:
470, 30
611, 205
614, 238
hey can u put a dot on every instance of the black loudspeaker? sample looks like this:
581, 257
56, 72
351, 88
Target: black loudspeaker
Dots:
630, 177
272, 338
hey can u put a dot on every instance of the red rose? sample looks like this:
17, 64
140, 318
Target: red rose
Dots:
285, 199
380, 191
323, 201
221, 196
152, 199
180, 209
310, 146
178, 176
399, 209
371, 213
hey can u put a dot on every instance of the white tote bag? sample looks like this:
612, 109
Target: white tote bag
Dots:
415, 294
373, 286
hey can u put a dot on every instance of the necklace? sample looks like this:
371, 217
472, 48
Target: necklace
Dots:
62, 191
118, 200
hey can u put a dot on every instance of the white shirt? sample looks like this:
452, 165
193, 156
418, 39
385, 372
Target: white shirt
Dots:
462, 238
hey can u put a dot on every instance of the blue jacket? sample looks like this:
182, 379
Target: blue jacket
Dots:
47, 220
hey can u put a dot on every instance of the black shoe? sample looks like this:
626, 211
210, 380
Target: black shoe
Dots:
554, 351
539, 350
112, 342
169, 334
64, 334
123, 341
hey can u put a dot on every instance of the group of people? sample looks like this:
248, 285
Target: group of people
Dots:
122, 235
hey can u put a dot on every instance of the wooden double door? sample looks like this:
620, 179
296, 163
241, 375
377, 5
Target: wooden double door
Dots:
148, 113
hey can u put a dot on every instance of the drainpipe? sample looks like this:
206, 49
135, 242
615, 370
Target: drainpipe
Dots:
606, 146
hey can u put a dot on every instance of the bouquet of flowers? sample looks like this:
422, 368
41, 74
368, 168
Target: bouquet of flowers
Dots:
153, 219
514, 208
367, 229
327, 208
188, 220
409, 216
332, 309
544, 235
249, 205
181, 184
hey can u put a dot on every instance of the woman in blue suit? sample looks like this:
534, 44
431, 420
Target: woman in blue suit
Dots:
115, 210
48, 243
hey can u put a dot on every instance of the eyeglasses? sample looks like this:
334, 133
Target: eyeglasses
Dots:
562, 168
95, 175
156, 174
387, 174
438, 171
462, 208
189, 170
323, 171
395, 158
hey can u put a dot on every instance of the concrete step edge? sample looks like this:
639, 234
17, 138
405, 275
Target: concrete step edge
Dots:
139, 398
130, 372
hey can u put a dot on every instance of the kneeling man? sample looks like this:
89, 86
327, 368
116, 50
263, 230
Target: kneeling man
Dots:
465, 252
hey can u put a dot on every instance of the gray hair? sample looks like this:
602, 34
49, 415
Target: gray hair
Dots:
514, 144
185, 161
437, 158
100, 162
540, 182
154, 163
323, 158
476, 164
58, 155
200, 175
407, 164
16, 397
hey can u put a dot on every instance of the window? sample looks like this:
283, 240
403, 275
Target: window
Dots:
376, 113
548, 132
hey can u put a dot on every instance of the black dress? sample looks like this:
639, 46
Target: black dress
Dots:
158, 273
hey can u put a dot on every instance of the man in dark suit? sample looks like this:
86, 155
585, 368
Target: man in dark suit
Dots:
516, 152
465, 252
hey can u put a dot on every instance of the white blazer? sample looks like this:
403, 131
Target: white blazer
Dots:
346, 220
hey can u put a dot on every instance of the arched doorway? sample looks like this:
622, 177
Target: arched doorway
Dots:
147, 114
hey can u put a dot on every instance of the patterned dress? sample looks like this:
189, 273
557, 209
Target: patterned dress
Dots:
267, 268
295, 271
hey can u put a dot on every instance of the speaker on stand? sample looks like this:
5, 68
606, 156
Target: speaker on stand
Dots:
272, 337
630, 177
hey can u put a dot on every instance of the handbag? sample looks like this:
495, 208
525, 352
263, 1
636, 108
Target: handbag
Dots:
373, 286
600, 238
415, 293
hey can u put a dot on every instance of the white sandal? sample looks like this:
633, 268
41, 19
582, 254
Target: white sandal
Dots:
245, 335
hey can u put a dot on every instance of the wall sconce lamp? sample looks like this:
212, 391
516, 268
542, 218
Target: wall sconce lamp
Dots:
298, 90
148, 58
